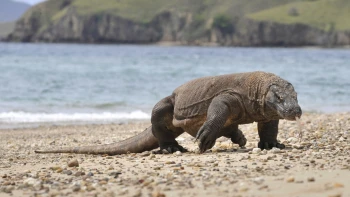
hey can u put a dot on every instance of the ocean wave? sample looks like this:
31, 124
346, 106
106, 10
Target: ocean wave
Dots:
25, 117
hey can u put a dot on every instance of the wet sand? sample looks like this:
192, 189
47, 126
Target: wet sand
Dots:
318, 165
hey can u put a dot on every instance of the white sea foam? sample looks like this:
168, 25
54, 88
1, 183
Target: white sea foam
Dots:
24, 117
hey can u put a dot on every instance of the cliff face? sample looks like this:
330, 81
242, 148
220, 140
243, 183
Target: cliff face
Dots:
96, 29
170, 26
252, 33
101, 28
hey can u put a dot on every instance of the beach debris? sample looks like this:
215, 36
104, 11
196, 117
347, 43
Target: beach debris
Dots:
290, 179
275, 150
73, 163
256, 150
311, 179
258, 180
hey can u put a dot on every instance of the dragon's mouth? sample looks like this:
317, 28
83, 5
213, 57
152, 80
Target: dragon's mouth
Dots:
287, 113
292, 118
290, 114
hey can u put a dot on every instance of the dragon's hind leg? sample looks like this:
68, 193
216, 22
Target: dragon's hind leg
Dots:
162, 127
235, 134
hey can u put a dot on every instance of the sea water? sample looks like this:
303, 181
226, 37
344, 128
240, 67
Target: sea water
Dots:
72, 83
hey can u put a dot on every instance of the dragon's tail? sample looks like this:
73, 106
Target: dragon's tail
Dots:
144, 141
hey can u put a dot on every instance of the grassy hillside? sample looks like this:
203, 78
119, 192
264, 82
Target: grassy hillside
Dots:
323, 14
145, 10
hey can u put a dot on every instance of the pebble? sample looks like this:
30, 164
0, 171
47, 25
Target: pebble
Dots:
79, 173
256, 150
73, 163
76, 188
67, 172
158, 194
290, 179
275, 150
338, 185
55, 168
292, 140
103, 182
298, 146
263, 187
258, 180
334, 195
7, 189
263, 152
31, 182
115, 174
90, 188
311, 179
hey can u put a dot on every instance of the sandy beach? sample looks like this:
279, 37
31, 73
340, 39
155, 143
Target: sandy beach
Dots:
316, 163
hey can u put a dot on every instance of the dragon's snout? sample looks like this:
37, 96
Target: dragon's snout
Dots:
298, 112
292, 113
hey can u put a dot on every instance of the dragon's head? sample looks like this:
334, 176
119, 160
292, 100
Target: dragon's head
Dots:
283, 100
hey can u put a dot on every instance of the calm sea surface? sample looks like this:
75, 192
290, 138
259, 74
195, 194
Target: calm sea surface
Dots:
102, 83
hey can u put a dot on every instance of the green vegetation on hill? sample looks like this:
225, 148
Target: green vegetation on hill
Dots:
328, 15
323, 14
145, 10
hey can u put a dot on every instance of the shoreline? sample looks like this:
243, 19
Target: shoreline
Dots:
318, 166
180, 44
33, 125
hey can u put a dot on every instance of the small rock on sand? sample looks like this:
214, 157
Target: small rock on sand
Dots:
73, 163
290, 179
256, 150
311, 179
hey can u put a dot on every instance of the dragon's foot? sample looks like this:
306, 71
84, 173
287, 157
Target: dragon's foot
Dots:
239, 138
269, 145
170, 148
241, 141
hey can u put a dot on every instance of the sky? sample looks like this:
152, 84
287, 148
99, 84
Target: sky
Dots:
32, 2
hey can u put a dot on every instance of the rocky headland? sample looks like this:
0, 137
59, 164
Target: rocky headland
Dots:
70, 21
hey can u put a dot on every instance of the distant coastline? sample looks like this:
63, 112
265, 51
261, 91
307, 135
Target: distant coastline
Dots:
202, 24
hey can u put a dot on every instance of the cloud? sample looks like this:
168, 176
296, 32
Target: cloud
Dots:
32, 2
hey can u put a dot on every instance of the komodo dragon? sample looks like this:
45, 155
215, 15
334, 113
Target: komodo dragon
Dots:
208, 108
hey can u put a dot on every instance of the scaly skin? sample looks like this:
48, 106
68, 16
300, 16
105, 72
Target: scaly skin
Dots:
208, 108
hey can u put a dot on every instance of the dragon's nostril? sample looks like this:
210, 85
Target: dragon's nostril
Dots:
298, 111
